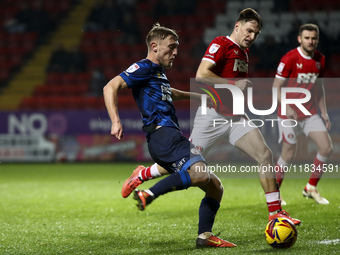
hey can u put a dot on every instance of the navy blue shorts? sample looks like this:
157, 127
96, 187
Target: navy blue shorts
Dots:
171, 150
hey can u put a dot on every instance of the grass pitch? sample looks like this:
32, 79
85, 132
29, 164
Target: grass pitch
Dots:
78, 209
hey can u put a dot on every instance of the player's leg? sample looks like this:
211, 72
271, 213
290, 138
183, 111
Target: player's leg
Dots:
187, 168
204, 135
178, 180
288, 153
170, 149
140, 175
208, 182
254, 145
325, 149
288, 137
209, 206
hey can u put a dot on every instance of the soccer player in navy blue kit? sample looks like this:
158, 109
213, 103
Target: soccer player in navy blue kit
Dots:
167, 146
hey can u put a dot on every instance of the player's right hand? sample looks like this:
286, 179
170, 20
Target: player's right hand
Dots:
327, 121
290, 113
244, 83
117, 130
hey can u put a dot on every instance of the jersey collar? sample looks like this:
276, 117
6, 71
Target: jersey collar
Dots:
303, 55
233, 41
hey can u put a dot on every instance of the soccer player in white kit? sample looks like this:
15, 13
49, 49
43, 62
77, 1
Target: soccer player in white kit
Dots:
303, 67
226, 61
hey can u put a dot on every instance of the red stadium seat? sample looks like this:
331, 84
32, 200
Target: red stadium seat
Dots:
53, 78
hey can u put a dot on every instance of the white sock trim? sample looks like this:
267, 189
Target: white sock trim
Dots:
149, 192
310, 187
154, 170
273, 196
321, 158
205, 235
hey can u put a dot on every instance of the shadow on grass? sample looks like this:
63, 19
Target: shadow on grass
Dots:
132, 244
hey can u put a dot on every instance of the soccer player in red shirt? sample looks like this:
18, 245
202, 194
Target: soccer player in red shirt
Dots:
303, 67
226, 61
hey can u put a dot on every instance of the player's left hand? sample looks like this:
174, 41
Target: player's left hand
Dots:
327, 121
244, 83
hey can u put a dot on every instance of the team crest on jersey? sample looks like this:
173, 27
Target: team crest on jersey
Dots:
194, 151
214, 48
199, 148
290, 136
133, 68
318, 65
299, 66
159, 75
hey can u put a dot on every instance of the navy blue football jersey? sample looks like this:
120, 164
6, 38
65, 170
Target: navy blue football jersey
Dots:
152, 92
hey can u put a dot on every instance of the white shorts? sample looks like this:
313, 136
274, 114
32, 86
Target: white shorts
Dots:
311, 124
212, 127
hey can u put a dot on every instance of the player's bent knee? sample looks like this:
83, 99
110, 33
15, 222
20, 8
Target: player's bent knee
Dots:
202, 178
217, 184
326, 152
199, 174
265, 156
214, 188
220, 189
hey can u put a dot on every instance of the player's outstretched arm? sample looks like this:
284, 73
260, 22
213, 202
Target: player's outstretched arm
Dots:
205, 74
179, 95
110, 92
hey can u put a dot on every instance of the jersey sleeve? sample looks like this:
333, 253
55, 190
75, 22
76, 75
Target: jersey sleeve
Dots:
138, 73
215, 51
284, 68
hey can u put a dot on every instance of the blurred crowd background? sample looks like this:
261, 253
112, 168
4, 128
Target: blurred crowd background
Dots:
58, 54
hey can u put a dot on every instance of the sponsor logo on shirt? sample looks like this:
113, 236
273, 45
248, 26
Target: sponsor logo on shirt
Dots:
280, 68
133, 68
307, 77
214, 48
299, 66
240, 65
210, 56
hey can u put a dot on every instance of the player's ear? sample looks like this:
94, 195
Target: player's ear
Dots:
237, 26
154, 47
299, 38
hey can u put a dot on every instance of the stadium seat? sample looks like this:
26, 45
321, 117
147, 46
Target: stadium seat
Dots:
53, 78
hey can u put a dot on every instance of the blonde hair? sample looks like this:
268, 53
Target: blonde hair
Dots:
160, 32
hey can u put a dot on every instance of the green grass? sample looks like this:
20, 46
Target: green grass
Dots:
78, 209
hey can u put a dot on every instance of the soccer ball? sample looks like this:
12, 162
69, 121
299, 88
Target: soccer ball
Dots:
280, 233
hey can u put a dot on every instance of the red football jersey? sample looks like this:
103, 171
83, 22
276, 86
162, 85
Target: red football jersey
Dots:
230, 62
302, 71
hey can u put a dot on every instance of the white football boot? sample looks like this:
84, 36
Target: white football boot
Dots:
311, 192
